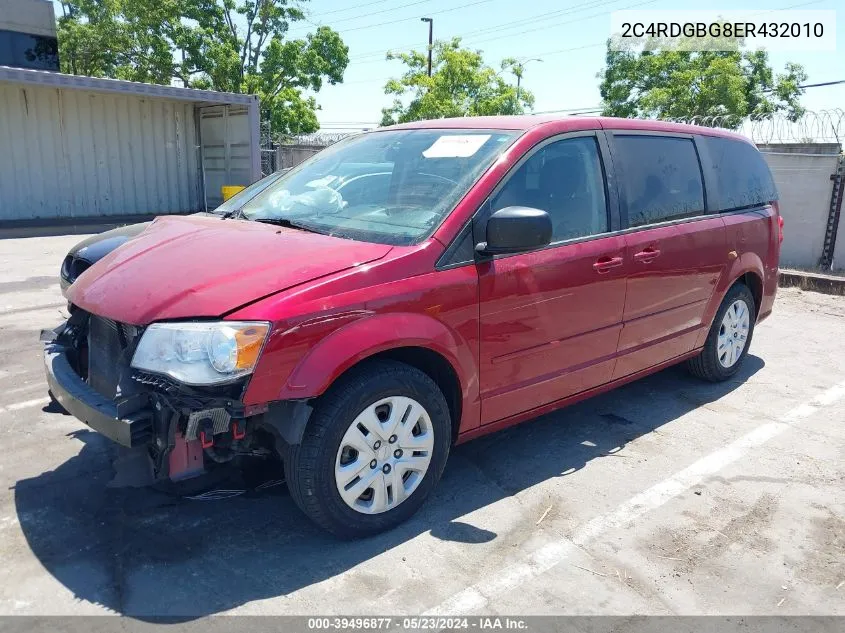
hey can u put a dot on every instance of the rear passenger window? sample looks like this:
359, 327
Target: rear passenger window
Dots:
564, 179
743, 178
662, 178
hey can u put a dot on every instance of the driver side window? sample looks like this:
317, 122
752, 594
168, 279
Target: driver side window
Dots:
564, 179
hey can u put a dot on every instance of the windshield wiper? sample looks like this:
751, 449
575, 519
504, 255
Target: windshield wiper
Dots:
287, 223
233, 214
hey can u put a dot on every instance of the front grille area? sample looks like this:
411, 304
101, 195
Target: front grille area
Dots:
110, 348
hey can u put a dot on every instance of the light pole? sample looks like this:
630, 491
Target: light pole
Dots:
519, 67
430, 40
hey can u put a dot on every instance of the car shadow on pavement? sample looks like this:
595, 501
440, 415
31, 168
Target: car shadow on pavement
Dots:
145, 554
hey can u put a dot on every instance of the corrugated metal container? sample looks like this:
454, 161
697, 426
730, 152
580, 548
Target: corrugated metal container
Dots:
74, 153
103, 148
226, 150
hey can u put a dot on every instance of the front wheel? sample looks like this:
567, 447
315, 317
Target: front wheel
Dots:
729, 337
375, 447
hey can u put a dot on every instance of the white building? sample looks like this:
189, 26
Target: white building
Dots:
77, 148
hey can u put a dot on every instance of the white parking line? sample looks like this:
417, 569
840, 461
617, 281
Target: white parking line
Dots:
24, 405
477, 596
23, 388
14, 309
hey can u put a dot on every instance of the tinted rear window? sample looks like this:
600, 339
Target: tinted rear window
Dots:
742, 175
662, 178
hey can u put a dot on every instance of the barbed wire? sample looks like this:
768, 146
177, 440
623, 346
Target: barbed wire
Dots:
814, 126
317, 139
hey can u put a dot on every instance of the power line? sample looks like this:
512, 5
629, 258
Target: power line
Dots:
587, 46
523, 21
818, 85
545, 54
573, 48
596, 45
593, 4
591, 109
557, 24
366, 15
357, 6
457, 8
824, 83
540, 17
621, 9
504, 26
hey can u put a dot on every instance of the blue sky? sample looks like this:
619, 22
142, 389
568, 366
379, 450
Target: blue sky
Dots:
570, 42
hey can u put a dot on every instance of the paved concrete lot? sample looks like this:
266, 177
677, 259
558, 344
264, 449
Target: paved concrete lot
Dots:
666, 496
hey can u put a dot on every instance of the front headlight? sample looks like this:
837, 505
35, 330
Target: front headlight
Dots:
201, 353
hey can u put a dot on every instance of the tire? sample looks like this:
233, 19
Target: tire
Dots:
707, 365
310, 467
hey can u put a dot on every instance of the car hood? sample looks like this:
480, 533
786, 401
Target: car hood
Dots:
182, 267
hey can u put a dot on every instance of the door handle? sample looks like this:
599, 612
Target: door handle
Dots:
604, 264
647, 255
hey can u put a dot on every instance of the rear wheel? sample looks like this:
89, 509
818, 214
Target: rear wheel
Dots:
375, 447
729, 337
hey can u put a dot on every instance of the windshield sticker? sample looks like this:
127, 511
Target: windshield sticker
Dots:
456, 146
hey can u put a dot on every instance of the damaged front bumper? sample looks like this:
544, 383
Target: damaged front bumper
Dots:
184, 430
181, 429
127, 421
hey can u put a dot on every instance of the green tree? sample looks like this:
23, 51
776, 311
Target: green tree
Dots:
461, 84
685, 84
230, 45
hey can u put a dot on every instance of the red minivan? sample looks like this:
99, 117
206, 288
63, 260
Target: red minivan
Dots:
415, 287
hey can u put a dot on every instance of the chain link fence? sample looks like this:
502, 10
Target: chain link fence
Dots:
286, 152
293, 150
269, 157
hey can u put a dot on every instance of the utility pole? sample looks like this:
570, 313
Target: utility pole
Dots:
430, 40
519, 67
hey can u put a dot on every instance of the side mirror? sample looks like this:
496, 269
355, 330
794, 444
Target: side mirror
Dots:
516, 230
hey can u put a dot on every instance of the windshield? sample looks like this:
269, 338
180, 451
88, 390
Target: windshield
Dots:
237, 201
388, 187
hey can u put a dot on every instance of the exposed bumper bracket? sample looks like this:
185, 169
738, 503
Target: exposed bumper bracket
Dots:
127, 421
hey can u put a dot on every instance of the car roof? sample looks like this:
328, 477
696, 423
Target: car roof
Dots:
531, 121
517, 122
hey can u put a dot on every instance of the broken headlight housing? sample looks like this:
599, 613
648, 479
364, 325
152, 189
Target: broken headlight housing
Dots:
201, 353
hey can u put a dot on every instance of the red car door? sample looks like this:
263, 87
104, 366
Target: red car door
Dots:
675, 252
550, 319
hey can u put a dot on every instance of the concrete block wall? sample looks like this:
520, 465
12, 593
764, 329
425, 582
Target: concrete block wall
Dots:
802, 174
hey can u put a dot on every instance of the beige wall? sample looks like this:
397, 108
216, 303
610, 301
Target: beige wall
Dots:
802, 175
